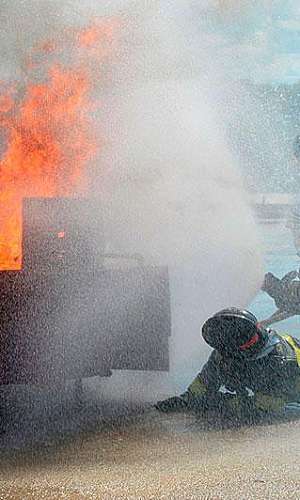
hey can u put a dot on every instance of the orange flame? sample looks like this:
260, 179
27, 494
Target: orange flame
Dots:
48, 130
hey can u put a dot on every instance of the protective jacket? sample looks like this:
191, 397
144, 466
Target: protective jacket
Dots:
269, 381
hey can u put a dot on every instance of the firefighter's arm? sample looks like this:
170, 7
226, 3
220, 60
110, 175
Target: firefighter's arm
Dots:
275, 317
187, 400
198, 389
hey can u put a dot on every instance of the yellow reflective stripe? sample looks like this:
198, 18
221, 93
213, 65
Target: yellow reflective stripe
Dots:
293, 344
268, 403
197, 387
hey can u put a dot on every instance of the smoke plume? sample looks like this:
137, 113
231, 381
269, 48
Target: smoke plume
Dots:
165, 178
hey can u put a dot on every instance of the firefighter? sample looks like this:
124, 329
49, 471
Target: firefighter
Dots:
252, 371
286, 294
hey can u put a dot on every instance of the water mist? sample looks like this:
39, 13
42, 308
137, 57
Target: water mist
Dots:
174, 188
165, 178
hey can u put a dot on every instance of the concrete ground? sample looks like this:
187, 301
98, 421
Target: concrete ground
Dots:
113, 451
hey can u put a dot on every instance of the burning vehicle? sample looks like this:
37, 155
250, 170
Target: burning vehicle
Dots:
69, 313
68, 310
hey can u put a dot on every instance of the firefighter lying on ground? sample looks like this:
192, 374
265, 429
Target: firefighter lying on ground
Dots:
286, 294
256, 369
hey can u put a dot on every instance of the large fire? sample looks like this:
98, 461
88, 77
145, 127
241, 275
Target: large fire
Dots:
47, 129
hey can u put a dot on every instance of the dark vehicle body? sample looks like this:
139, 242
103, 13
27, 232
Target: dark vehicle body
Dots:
68, 314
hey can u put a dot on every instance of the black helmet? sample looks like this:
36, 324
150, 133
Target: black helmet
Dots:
235, 332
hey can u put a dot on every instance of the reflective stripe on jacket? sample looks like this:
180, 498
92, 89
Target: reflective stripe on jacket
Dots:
274, 379
294, 344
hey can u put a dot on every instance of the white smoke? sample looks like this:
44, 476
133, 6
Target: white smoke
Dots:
175, 188
170, 186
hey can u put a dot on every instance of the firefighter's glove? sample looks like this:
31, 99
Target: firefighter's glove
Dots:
172, 404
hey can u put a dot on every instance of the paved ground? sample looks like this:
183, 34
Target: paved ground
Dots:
107, 452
